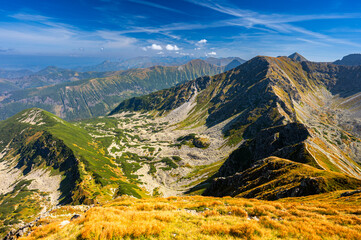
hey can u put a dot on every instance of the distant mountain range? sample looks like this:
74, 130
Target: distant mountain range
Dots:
146, 62
77, 95
137, 62
52, 75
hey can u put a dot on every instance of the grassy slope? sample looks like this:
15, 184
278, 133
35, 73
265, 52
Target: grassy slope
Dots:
96, 177
325, 216
99, 172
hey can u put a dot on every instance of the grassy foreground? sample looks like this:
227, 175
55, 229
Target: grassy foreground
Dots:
326, 216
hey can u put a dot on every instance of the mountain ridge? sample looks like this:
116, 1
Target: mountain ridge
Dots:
96, 96
349, 60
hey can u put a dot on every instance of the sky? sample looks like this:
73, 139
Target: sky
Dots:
104, 29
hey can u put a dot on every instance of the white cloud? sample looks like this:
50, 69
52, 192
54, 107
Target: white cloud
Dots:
160, 53
144, 49
211, 54
156, 47
172, 47
202, 41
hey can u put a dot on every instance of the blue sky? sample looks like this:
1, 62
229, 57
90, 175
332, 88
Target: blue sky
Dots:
320, 30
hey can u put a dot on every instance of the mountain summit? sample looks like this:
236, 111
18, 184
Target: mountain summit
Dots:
297, 57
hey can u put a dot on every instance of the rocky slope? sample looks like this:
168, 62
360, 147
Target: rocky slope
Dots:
98, 95
279, 107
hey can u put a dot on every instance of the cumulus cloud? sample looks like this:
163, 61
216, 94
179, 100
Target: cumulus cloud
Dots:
172, 47
156, 47
212, 54
202, 41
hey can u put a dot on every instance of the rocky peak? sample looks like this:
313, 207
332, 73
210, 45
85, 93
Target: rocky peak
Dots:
297, 57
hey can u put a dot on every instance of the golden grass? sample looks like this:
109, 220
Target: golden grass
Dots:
326, 216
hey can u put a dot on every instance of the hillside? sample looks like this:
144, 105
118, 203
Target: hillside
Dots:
99, 94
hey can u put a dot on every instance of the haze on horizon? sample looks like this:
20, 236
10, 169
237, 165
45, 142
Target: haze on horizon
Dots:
81, 32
